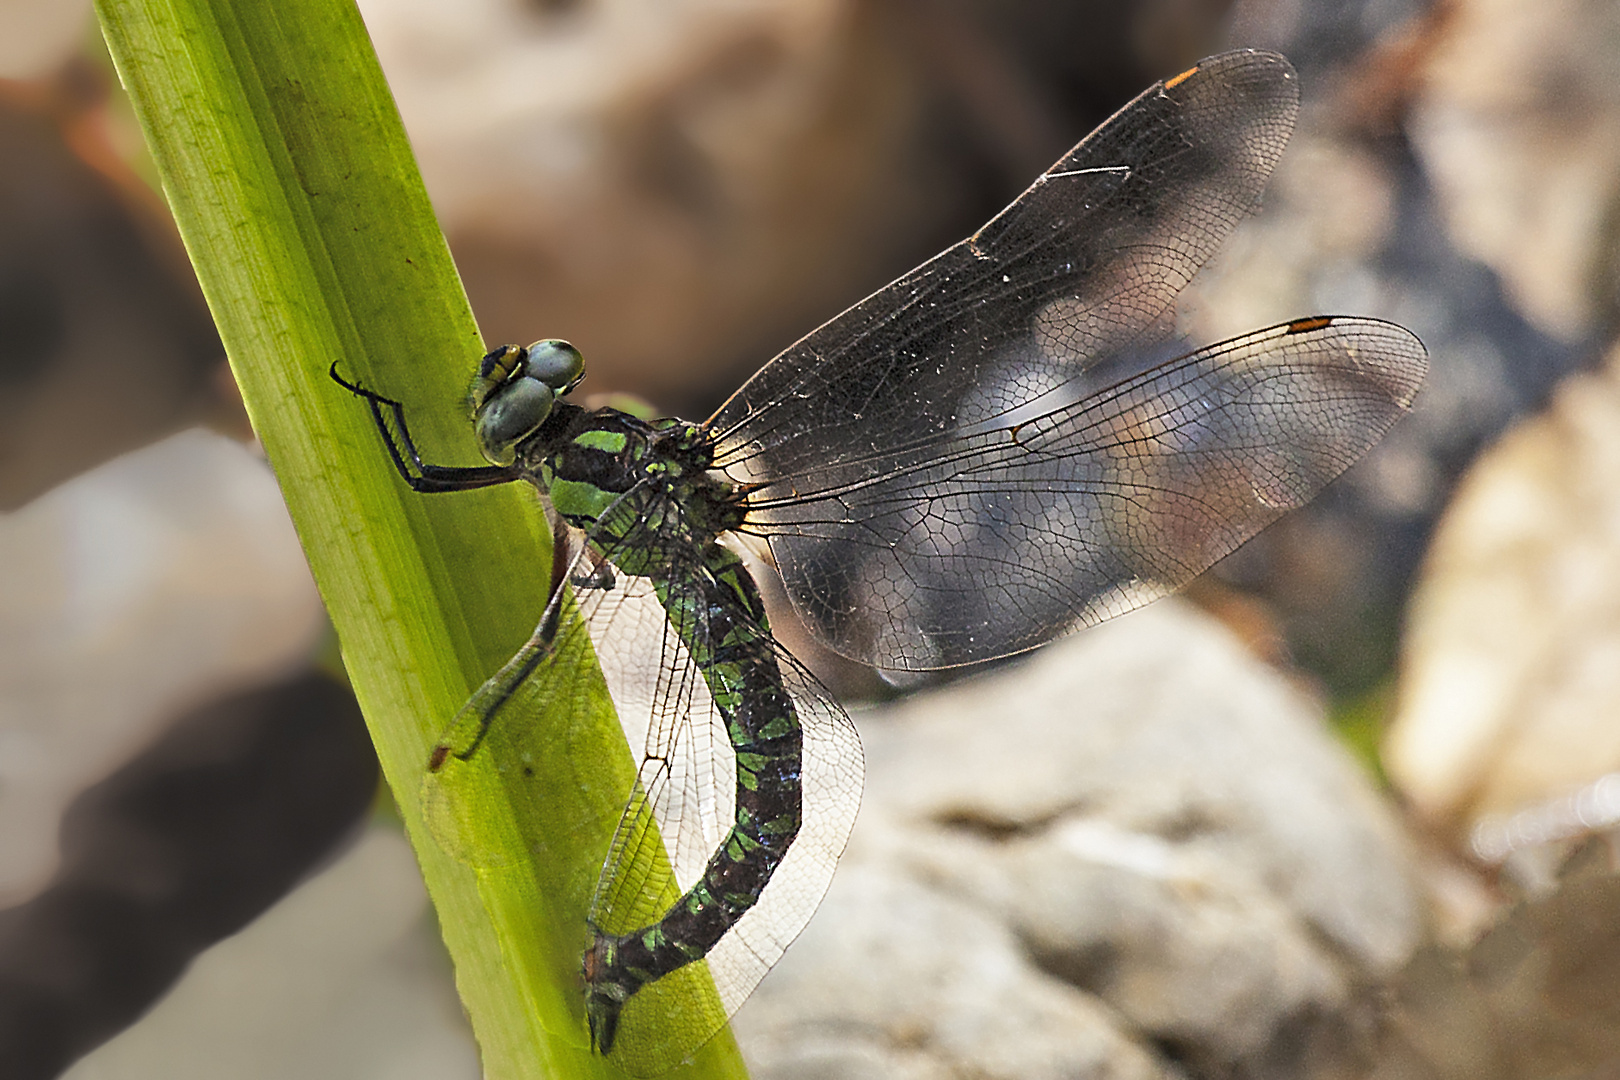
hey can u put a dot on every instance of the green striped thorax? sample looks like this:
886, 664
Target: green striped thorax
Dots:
586, 460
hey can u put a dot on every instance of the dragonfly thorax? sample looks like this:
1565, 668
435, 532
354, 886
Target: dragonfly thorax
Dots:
606, 471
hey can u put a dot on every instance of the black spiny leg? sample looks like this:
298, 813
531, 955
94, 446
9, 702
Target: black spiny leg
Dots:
428, 479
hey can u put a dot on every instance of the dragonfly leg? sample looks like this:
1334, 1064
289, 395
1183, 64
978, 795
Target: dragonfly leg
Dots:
422, 477
471, 725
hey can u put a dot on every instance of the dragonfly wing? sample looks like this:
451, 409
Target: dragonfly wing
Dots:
1080, 270
1000, 535
681, 811
683, 802
526, 710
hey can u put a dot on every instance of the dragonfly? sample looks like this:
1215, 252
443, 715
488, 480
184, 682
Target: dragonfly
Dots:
1006, 444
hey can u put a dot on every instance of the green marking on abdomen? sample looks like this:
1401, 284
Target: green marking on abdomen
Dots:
729, 648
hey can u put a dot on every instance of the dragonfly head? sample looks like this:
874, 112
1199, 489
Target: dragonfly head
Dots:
514, 389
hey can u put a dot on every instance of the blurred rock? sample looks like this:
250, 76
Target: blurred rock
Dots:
1512, 658
1518, 123
157, 581
1158, 820
182, 846
896, 979
37, 36
663, 183
344, 980
1536, 997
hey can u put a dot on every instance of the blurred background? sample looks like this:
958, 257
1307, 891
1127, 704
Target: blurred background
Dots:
1347, 810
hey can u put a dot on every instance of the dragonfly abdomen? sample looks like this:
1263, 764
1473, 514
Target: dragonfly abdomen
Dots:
720, 618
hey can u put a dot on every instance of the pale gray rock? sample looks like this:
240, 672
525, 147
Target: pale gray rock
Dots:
896, 979
159, 579
1155, 818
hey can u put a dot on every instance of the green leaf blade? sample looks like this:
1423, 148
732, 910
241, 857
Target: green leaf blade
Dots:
293, 184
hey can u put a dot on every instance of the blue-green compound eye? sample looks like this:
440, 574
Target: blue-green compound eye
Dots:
555, 363
514, 389
510, 415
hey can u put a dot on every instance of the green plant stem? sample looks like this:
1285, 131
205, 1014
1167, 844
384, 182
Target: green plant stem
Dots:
283, 158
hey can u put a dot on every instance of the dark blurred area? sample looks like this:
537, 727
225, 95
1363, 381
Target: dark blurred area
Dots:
181, 847
682, 197
106, 348
105, 342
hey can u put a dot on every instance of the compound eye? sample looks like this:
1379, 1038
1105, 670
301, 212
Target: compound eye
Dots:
511, 415
556, 363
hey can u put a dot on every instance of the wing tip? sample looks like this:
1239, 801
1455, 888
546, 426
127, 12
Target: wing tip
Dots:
1256, 58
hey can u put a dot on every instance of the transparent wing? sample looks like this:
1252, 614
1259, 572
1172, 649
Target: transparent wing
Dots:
682, 809
682, 801
1025, 521
1069, 277
523, 721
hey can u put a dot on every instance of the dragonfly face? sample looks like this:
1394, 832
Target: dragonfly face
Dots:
1004, 445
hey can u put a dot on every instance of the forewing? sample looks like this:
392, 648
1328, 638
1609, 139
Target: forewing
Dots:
1009, 531
1081, 270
